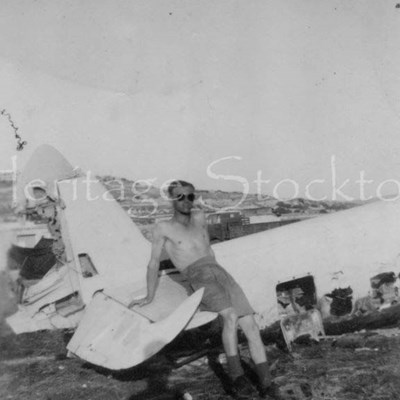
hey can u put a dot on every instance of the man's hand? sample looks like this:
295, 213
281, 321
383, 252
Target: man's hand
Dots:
139, 302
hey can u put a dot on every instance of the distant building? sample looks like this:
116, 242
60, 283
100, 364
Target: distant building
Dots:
249, 212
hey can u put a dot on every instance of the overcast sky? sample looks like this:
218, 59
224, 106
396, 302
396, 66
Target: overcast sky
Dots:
302, 90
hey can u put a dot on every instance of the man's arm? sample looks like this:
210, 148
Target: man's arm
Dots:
152, 267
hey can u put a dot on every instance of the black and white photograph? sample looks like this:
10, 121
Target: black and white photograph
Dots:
199, 199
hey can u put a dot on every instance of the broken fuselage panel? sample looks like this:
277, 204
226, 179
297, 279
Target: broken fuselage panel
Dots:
47, 289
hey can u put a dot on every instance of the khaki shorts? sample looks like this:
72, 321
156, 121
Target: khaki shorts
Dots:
220, 290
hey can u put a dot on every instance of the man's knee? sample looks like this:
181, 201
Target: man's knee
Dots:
230, 318
249, 326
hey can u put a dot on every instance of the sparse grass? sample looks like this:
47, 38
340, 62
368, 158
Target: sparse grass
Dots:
335, 373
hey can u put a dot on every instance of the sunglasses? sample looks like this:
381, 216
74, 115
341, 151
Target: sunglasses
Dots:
181, 197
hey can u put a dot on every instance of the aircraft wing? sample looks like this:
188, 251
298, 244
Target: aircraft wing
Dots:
115, 337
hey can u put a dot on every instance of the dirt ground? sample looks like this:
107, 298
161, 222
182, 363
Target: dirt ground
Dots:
353, 366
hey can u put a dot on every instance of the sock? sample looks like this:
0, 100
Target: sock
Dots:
234, 366
263, 374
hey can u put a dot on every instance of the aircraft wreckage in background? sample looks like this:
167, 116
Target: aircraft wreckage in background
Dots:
91, 261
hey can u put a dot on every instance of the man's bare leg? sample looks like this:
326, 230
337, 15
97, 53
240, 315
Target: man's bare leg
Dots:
229, 331
240, 384
230, 342
257, 350
252, 333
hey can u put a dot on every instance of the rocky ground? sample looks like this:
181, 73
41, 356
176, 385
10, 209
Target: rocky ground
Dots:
358, 366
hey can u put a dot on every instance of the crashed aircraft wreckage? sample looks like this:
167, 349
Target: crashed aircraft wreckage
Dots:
334, 265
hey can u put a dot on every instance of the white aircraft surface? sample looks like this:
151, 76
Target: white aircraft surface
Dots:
318, 267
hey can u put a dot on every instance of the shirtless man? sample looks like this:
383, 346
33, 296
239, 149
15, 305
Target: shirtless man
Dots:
185, 238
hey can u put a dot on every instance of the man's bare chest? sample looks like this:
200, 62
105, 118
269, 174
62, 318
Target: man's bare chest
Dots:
183, 236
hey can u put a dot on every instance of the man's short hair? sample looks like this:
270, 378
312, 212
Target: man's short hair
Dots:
178, 183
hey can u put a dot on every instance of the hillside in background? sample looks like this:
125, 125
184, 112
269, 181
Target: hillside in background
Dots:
145, 203
143, 200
